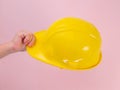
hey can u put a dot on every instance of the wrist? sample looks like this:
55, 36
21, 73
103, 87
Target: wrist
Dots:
11, 48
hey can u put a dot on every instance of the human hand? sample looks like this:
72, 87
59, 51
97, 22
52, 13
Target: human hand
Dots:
21, 40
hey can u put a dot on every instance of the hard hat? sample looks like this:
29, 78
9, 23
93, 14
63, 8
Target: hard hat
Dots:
69, 43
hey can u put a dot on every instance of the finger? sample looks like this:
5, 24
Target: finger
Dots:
27, 38
30, 39
22, 33
32, 42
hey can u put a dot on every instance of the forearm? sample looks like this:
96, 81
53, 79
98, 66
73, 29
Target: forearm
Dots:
6, 49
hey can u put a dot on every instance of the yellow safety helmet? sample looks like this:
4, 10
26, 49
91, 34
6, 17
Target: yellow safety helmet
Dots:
69, 43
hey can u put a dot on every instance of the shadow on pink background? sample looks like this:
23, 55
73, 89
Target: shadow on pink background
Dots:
21, 72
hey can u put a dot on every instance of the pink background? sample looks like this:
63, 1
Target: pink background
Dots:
21, 72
